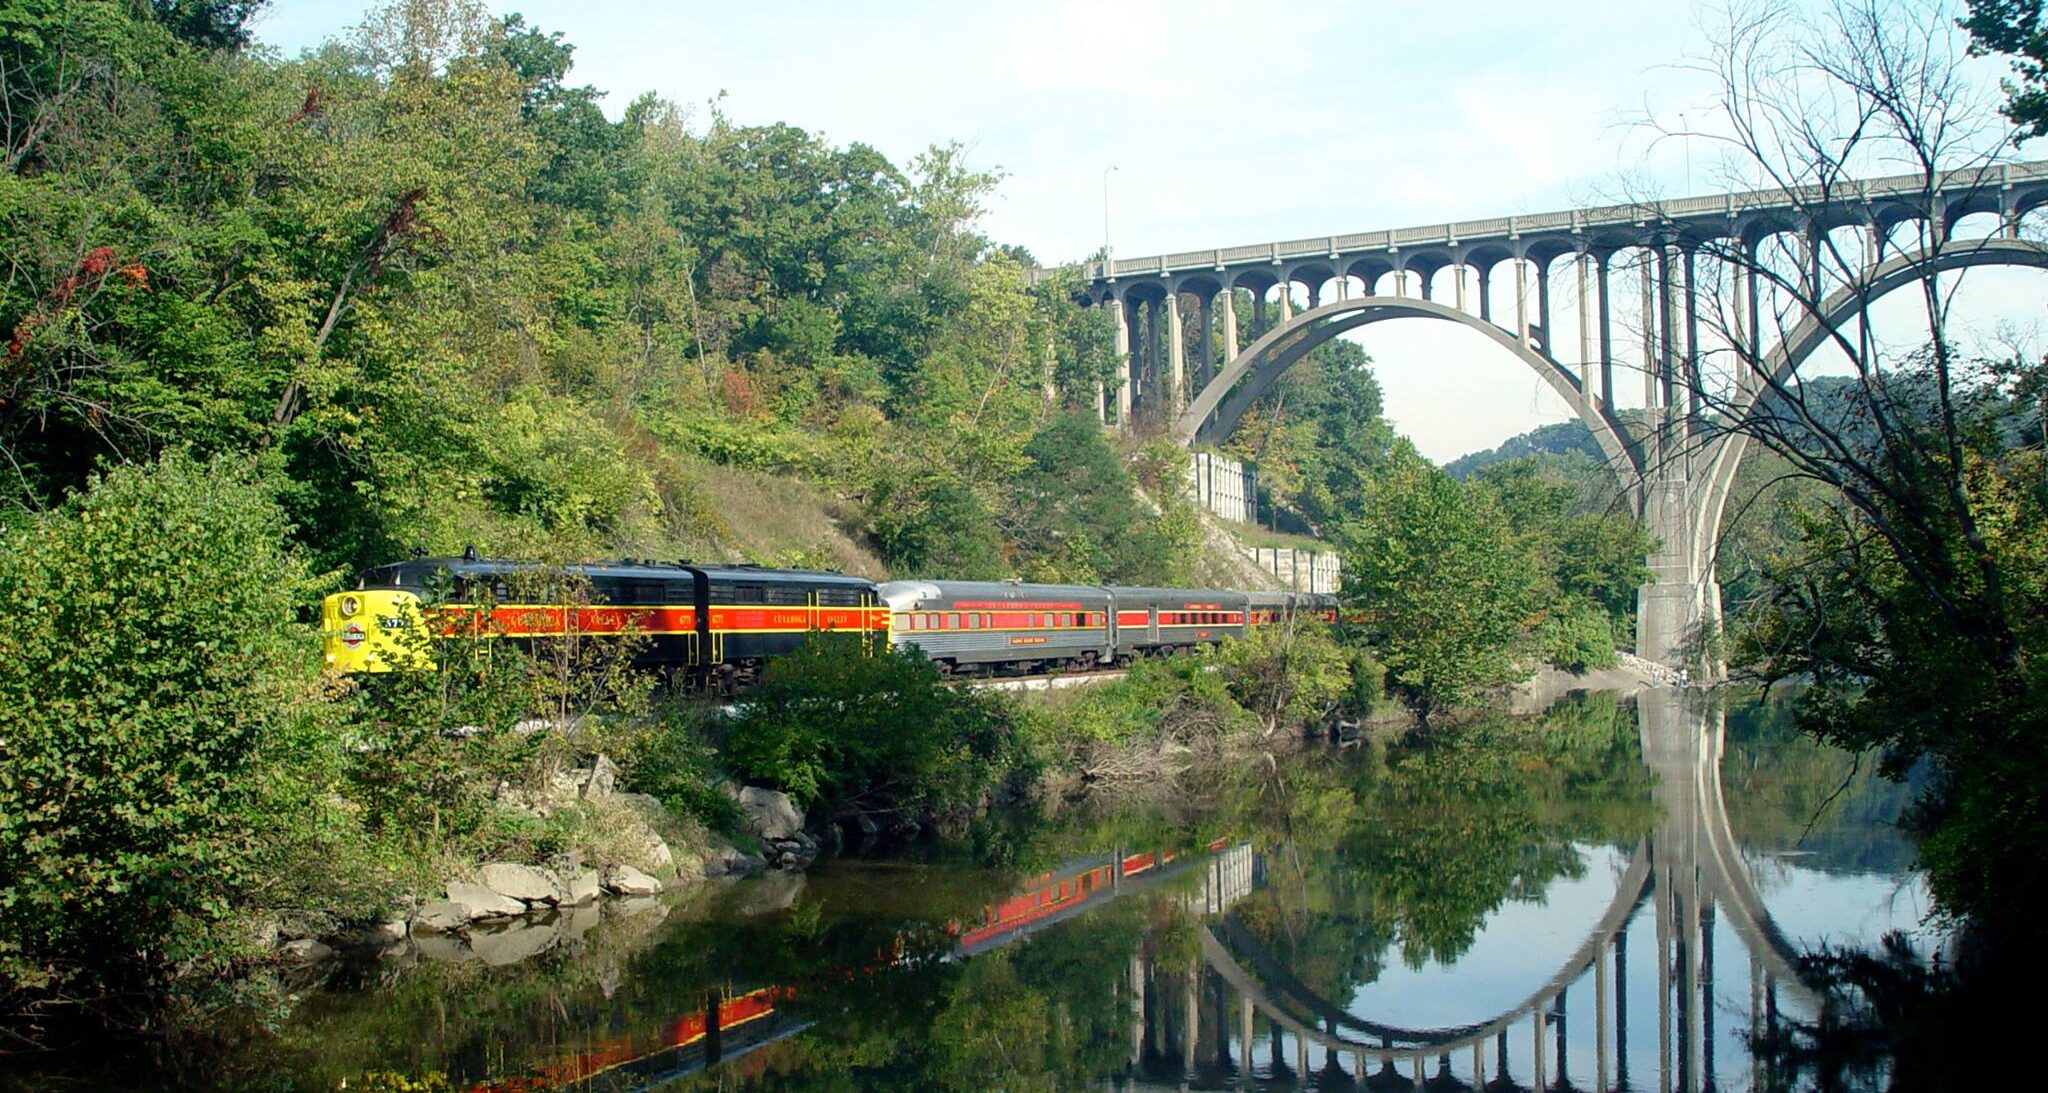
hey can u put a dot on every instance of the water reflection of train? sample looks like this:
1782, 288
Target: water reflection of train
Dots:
729, 1027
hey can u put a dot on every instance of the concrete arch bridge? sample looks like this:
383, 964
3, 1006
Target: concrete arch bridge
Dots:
1766, 274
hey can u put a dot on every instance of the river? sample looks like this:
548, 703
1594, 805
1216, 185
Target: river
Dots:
1606, 896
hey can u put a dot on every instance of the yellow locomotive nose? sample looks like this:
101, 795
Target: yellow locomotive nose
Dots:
374, 631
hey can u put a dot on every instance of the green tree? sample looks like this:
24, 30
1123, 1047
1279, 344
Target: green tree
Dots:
2013, 29
1441, 585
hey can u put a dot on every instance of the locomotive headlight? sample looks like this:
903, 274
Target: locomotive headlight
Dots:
350, 605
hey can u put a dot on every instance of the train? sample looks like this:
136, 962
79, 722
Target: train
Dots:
720, 625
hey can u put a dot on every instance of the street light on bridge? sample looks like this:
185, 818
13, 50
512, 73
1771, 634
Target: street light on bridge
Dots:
1108, 270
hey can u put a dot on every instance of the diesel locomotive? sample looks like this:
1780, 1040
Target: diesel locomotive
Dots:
723, 623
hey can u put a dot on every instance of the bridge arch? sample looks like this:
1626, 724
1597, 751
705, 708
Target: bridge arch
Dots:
1218, 408
1816, 331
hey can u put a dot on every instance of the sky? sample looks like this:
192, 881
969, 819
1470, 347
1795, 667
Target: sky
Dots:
1191, 125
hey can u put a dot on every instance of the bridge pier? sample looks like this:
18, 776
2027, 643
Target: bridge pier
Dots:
1678, 612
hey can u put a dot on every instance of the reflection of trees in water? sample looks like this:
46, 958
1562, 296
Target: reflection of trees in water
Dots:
1411, 850
1405, 850
1786, 791
1046, 1015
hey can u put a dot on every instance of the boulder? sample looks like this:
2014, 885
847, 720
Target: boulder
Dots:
304, 949
512, 943
647, 805
480, 902
582, 888
265, 931
624, 880
791, 853
440, 917
655, 851
769, 813
603, 778
723, 859
521, 882
294, 925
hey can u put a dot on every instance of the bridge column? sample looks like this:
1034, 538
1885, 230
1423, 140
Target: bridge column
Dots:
1123, 357
1679, 612
1621, 1010
1606, 330
1286, 302
1244, 1035
1177, 388
1522, 303
1647, 283
1137, 1008
1229, 324
1148, 366
1205, 364
1586, 368
1695, 402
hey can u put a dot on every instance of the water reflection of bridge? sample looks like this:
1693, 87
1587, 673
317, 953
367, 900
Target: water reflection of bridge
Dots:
1688, 869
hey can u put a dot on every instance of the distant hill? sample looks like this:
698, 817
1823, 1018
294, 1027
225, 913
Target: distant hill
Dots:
1561, 438
1835, 402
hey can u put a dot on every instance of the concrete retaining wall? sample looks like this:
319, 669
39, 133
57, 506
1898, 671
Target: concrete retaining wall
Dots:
1300, 570
1224, 487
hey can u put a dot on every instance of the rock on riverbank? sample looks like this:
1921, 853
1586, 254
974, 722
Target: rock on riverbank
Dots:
628, 856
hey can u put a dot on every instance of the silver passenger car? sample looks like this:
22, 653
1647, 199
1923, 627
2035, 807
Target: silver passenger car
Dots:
982, 627
1150, 620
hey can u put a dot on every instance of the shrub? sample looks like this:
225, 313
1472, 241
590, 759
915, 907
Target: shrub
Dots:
1118, 730
148, 658
846, 728
1577, 637
674, 762
1289, 676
